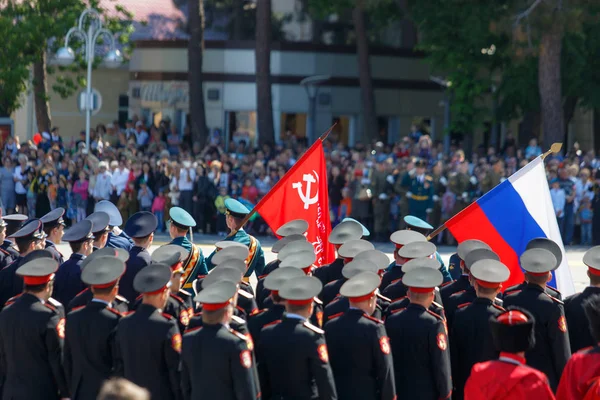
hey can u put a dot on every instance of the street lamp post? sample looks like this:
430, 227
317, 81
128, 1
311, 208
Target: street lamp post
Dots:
311, 84
113, 58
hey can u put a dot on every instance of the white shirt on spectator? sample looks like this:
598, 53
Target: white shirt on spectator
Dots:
183, 181
558, 201
103, 186
119, 179
17, 174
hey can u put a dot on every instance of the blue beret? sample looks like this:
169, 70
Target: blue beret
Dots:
141, 224
182, 217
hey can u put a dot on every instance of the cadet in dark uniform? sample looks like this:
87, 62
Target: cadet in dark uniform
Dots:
140, 227
293, 353
235, 213
29, 238
217, 361
54, 226
508, 377
471, 337
245, 304
399, 290
359, 348
462, 281
195, 265
342, 233
577, 322
347, 251
100, 228
91, 355
14, 222
31, 338
419, 341
116, 237
552, 247
551, 350
68, 277
149, 341
179, 305
400, 239
83, 298
5, 256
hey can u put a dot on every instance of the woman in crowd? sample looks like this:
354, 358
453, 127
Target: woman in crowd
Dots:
204, 198
7, 185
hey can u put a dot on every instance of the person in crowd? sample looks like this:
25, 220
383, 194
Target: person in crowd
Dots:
80, 195
204, 195
7, 186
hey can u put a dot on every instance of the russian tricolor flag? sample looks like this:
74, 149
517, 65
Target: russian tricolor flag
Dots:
509, 216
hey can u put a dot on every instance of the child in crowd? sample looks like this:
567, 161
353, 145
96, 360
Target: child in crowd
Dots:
586, 215
62, 193
220, 205
158, 209
53, 191
145, 196
558, 200
71, 206
345, 209
249, 191
80, 191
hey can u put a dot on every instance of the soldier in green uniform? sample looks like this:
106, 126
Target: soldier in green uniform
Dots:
439, 183
194, 265
420, 191
492, 177
459, 184
235, 213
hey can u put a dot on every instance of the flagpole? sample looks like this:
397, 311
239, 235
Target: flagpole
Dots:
322, 138
555, 148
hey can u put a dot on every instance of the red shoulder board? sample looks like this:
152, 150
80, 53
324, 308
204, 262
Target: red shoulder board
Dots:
334, 316
395, 281
498, 307
50, 306
272, 323
112, 310
457, 293
128, 313
398, 299
508, 293
240, 309
192, 330
446, 284
179, 299
167, 316
435, 315
553, 288
14, 298
262, 277
139, 297
585, 349
336, 299
555, 299
257, 311
463, 305
373, 319
79, 308
198, 314
83, 291
4, 251
397, 310
382, 297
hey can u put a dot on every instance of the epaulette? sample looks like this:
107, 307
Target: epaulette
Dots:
397, 310
112, 310
50, 306
457, 293
261, 277
4, 252
121, 298
334, 316
395, 281
139, 297
513, 287
382, 297
438, 305
83, 291
238, 320
398, 299
373, 318
498, 307
272, 323
167, 316
54, 302
183, 293
192, 330
435, 315
317, 300
245, 294
258, 311
330, 284
335, 300
553, 288
463, 305
128, 313
586, 349
198, 314
511, 292
555, 299
313, 328
239, 335
498, 302
179, 299
78, 308
240, 309
446, 284
14, 298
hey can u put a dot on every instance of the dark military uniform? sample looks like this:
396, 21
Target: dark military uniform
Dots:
331, 290
471, 340
121, 241
138, 259
392, 274
10, 283
68, 282
420, 351
460, 284
6, 258
217, 363
91, 355
317, 317
153, 362
294, 357
579, 332
181, 308
31, 340
549, 289
84, 297
262, 318
421, 188
330, 272
57, 255
340, 304
401, 304
238, 324
551, 350
10, 247
361, 358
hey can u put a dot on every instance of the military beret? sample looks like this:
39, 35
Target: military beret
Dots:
379, 258
468, 246
181, 218
352, 248
103, 272
297, 246
490, 273
345, 231
141, 224
546, 244
280, 244
32, 230
278, 277
152, 279
365, 231
238, 253
355, 267
479, 254
79, 232
422, 280
115, 218
220, 274
591, 259
100, 222
404, 237
235, 208
423, 262
417, 250
302, 260
361, 286
300, 290
38, 271
121, 254
538, 261
217, 296
294, 227
413, 222
54, 217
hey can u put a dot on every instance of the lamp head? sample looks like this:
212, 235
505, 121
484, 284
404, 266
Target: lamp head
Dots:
113, 59
65, 56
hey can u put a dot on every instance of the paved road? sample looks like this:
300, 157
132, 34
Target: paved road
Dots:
206, 242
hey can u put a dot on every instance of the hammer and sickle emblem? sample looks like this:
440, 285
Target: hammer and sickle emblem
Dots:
305, 197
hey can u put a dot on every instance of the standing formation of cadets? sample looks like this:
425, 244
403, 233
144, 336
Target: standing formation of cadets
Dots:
187, 328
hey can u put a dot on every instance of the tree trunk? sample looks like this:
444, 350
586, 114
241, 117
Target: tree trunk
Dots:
550, 85
40, 88
266, 131
198, 128
569, 106
364, 73
238, 15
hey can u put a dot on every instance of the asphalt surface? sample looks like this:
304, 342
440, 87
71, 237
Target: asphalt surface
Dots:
206, 243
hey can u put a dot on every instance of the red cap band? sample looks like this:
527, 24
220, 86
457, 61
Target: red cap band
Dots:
421, 289
105, 285
177, 267
362, 298
300, 302
594, 271
513, 317
215, 306
490, 285
37, 280
346, 260
275, 292
398, 246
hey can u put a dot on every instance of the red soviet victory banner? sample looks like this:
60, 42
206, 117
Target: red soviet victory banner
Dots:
302, 193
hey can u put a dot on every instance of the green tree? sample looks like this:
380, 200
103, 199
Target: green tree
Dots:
14, 71
199, 129
264, 99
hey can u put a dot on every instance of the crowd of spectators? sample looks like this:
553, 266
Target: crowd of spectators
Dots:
153, 168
